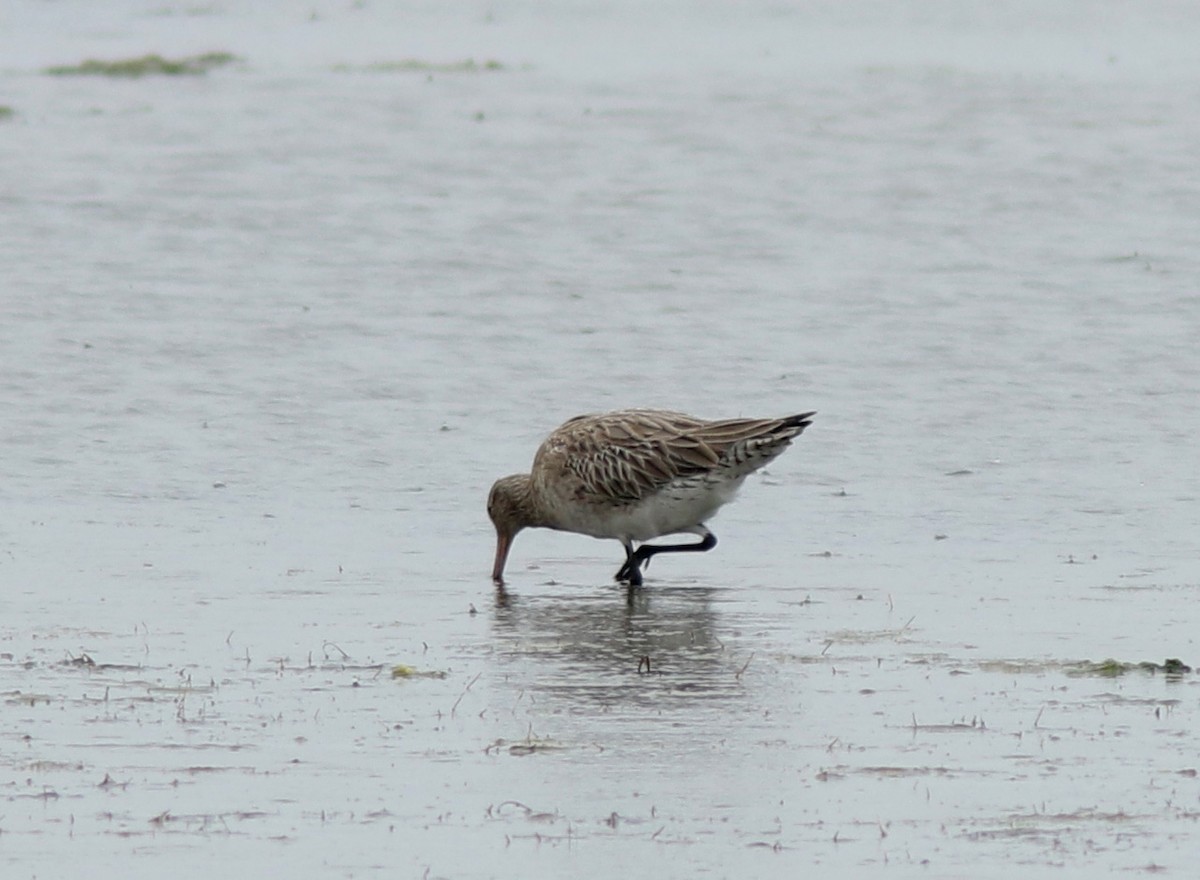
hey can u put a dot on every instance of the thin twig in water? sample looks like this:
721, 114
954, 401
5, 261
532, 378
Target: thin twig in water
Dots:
745, 666
464, 693
326, 645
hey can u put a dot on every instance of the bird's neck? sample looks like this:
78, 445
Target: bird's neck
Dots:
527, 502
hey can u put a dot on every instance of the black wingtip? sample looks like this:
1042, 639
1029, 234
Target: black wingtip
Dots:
801, 421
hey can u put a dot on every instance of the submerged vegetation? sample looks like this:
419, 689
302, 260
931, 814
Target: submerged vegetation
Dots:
1171, 667
414, 65
146, 65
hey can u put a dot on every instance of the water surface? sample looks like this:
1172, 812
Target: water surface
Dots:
269, 334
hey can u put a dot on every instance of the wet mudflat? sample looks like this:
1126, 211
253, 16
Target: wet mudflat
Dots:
528, 736
271, 329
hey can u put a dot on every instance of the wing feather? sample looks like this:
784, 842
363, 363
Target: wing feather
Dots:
631, 454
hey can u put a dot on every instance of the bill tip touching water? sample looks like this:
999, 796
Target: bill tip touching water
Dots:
634, 475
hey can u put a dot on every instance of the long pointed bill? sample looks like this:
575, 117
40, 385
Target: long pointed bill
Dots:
503, 542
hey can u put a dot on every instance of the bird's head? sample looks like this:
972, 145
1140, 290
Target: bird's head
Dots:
510, 509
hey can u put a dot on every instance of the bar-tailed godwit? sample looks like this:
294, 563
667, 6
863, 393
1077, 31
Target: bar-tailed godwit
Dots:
634, 475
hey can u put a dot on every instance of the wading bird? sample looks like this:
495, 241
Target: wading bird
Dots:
634, 475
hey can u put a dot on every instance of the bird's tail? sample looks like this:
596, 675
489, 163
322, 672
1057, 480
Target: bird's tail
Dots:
796, 424
745, 445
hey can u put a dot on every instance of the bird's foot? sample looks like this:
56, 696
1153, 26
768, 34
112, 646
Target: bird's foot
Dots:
629, 574
631, 571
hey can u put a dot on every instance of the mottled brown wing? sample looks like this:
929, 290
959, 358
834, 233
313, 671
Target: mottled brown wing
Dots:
725, 435
745, 445
629, 455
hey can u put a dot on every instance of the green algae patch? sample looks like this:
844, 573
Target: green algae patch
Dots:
146, 65
402, 670
6, 112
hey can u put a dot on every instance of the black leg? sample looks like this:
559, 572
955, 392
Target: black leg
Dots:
629, 573
643, 554
635, 560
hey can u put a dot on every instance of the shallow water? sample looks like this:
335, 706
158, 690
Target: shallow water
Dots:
270, 333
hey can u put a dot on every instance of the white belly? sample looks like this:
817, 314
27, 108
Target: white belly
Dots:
677, 508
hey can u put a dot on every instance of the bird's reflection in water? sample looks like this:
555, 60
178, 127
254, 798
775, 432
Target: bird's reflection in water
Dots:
653, 646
